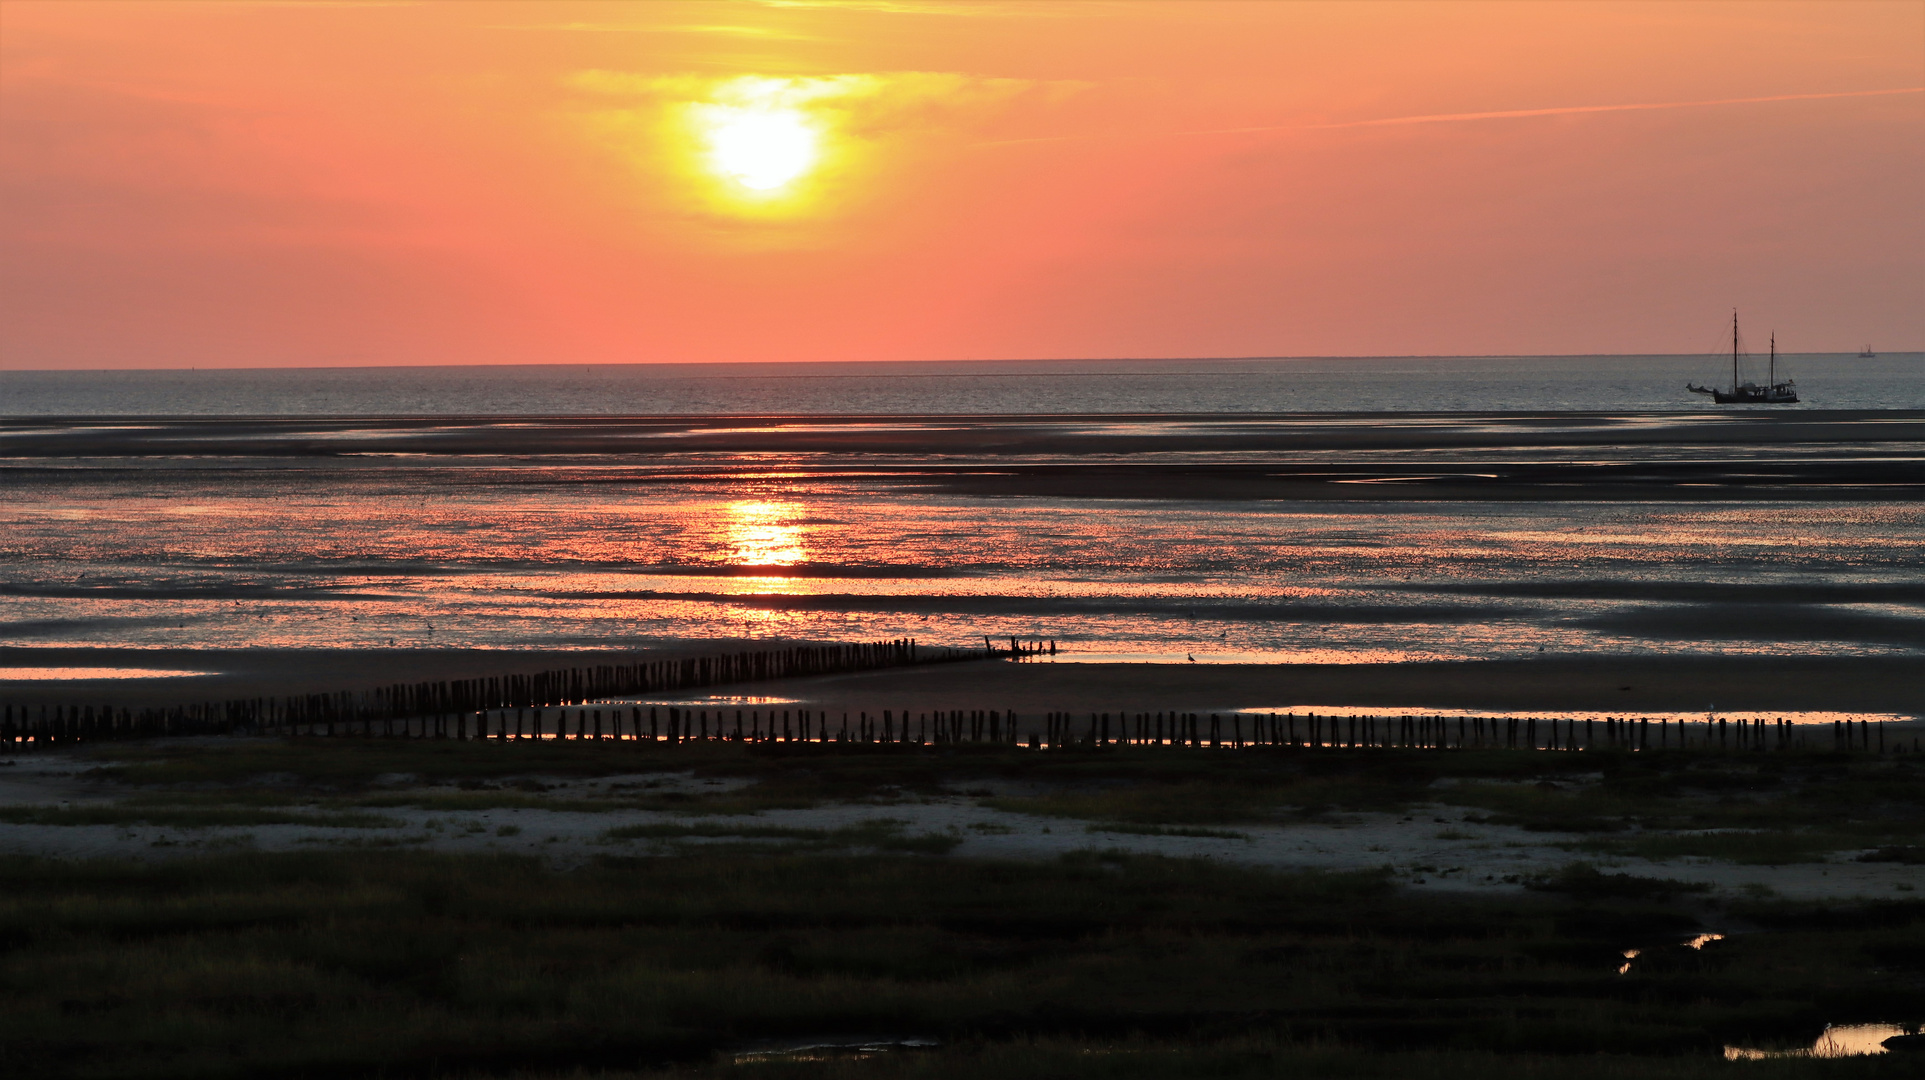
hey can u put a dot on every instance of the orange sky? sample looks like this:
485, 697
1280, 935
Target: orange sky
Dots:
318, 184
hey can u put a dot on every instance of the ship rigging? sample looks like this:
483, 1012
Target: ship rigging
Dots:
1772, 392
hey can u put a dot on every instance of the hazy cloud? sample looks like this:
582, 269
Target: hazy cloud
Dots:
868, 102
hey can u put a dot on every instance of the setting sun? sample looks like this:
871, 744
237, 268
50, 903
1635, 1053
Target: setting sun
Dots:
759, 148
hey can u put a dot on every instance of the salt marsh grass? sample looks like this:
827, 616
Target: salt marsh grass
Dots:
374, 963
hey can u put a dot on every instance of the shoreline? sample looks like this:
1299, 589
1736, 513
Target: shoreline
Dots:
1554, 683
1489, 456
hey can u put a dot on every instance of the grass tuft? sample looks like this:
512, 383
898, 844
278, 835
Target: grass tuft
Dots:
191, 817
1167, 830
1586, 882
882, 834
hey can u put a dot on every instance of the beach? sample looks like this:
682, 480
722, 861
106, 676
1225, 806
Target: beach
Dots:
1553, 685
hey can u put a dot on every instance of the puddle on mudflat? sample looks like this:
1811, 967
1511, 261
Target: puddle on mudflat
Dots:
66, 674
1697, 721
1838, 1040
1251, 656
1695, 941
827, 1049
709, 701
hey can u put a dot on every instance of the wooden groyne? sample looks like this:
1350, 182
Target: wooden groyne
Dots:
618, 724
578, 703
1313, 731
411, 706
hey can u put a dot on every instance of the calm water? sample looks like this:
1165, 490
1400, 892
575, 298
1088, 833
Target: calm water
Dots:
358, 537
1606, 383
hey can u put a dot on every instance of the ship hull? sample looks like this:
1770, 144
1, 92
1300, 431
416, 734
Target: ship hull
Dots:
1747, 396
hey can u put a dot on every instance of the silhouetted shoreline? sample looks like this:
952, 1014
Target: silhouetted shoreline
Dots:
1587, 684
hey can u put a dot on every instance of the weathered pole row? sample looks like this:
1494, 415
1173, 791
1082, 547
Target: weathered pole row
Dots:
1315, 731
1064, 731
360, 711
681, 724
511, 707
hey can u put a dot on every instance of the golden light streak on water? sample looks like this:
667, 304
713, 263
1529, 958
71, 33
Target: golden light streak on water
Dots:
764, 533
1842, 1040
1795, 718
70, 674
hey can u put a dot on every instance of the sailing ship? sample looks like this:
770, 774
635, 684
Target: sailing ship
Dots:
1867, 354
1772, 392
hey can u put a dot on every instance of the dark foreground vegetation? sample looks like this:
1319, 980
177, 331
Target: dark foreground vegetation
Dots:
1767, 807
410, 964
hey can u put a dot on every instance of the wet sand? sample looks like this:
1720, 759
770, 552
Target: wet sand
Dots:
1856, 455
245, 673
1685, 683
1392, 460
1552, 684
999, 436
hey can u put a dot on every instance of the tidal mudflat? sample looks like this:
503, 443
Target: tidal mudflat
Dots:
386, 902
1303, 538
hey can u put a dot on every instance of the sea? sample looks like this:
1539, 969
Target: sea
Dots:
1198, 511
1002, 387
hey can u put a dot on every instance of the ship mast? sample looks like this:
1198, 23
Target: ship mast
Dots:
1772, 379
1734, 350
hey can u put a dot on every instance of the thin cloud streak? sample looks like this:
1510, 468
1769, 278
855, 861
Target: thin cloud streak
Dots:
623, 28
1446, 118
1564, 110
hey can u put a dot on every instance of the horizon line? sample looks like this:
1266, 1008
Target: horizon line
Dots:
1249, 358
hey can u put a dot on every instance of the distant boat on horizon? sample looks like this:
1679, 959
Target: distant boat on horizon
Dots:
1772, 392
1867, 354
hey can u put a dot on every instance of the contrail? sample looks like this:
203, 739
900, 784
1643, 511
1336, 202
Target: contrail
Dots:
1561, 110
1505, 114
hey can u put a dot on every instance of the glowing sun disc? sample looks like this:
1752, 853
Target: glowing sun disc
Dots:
761, 149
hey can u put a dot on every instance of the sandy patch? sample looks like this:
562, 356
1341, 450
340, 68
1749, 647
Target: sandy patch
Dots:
1434, 847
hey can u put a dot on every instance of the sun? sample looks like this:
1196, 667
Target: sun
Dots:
761, 148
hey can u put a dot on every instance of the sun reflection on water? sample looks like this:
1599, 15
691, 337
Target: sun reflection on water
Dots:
765, 533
